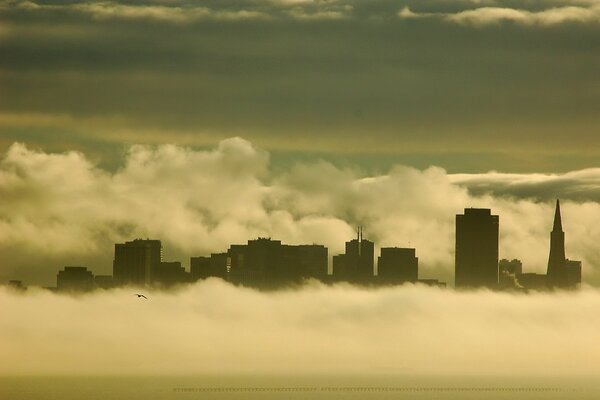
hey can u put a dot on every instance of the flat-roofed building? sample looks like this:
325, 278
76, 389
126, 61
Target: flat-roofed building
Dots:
75, 279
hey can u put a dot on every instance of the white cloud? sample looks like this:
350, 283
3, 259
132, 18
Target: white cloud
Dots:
553, 16
303, 10
489, 15
163, 13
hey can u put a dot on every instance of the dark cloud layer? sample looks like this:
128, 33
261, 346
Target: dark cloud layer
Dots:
336, 77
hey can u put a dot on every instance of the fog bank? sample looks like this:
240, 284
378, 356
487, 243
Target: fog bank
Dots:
213, 327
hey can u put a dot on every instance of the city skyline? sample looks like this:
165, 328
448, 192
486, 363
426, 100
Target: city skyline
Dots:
265, 263
352, 196
210, 204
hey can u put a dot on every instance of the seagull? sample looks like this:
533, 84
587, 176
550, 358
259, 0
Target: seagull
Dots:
141, 295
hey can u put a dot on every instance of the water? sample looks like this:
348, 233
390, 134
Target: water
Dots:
297, 387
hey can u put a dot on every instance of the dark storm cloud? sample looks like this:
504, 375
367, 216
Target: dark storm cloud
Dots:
332, 76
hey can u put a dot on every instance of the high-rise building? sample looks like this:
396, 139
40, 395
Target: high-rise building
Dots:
476, 251
397, 265
267, 263
135, 261
357, 264
557, 275
75, 279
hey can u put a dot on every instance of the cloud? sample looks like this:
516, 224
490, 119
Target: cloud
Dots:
188, 12
163, 13
489, 15
554, 16
582, 185
62, 209
472, 13
109, 66
215, 328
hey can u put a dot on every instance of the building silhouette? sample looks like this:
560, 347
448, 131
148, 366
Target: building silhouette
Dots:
207, 267
397, 265
557, 275
532, 281
476, 250
17, 285
135, 261
508, 273
105, 282
75, 279
263, 263
356, 265
573, 273
169, 273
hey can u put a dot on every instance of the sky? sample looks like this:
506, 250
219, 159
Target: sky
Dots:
467, 85
210, 123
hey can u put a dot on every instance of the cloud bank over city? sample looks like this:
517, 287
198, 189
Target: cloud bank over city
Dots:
62, 209
468, 85
212, 327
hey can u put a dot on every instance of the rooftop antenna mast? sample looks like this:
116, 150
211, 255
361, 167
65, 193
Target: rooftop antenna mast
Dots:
359, 240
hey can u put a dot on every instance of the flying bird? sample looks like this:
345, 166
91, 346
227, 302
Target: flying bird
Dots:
141, 295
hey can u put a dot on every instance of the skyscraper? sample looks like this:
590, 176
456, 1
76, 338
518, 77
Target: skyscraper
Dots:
357, 263
557, 275
134, 261
476, 251
267, 263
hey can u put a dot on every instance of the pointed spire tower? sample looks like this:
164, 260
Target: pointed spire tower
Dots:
557, 263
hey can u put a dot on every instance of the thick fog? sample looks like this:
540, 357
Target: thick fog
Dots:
212, 327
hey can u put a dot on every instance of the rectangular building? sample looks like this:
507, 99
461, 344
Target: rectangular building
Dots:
397, 265
573, 273
476, 250
134, 261
75, 279
267, 263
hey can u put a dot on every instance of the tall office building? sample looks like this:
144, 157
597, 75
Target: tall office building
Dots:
356, 265
557, 275
397, 265
267, 263
136, 260
476, 251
